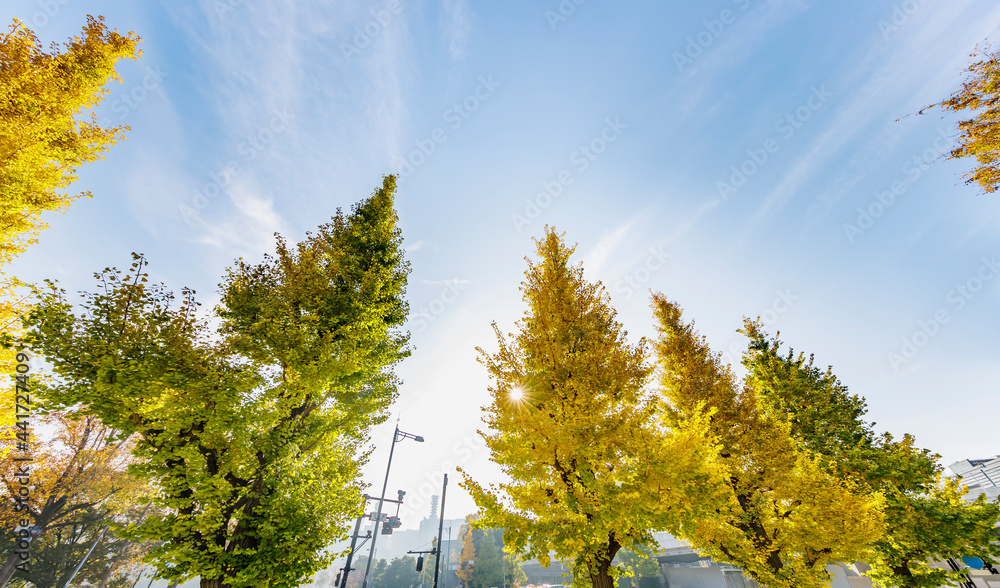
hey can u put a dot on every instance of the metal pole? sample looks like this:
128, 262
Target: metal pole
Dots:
350, 554
447, 562
122, 551
378, 516
82, 561
437, 560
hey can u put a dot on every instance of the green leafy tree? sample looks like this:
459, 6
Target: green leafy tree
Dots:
400, 573
491, 564
356, 578
782, 516
513, 572
55, 554
590, 471
640, 567
252, 436
926, 518
488, 570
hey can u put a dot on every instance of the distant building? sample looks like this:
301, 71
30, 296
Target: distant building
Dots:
982, 476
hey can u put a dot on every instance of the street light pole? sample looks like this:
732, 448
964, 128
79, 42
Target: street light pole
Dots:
397, 435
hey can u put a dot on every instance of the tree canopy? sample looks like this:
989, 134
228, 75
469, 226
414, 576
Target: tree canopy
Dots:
253, 435
574, 430
927, 519
44, 135
783, 517
79, 484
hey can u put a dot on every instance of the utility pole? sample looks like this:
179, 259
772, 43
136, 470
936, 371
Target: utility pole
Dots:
447, 562
391, 523
350, 554
437, 560
84, 560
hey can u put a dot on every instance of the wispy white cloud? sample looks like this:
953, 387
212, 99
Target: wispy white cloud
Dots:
341, 69
457, 27
696, 92
899, 72
246, 233
594, 260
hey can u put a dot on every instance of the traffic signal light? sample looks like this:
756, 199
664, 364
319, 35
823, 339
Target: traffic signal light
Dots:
390, 524
420, 563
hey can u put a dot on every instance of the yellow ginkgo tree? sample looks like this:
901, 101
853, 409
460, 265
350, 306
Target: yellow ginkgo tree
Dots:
589, 468
979, 135
45, 135
927, 518
784, 517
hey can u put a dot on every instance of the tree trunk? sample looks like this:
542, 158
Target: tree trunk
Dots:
213, 583
603, 577
603, 580
8, 569
41, 522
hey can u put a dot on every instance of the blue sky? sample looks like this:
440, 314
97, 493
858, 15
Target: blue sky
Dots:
749, 157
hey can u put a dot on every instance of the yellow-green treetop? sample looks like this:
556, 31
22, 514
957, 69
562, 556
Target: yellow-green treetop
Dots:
783, 517
43, 136
979, 136
927, 519
589, 468
254, 438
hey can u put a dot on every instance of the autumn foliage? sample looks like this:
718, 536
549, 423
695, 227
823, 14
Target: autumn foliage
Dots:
979, 135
